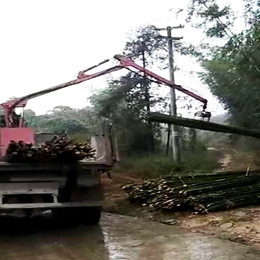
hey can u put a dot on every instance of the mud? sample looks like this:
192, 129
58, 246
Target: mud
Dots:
241, 224
117, 237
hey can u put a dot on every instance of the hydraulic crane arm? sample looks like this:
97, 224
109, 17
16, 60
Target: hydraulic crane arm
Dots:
124, 63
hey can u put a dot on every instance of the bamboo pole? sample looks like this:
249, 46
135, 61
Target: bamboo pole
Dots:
203, 125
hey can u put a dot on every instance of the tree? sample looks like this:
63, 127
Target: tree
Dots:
146, 41
127, 100
231, 69
123, 103
209, 16
74, 121
147, 47
31, 118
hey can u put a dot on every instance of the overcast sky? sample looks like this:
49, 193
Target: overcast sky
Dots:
45, 43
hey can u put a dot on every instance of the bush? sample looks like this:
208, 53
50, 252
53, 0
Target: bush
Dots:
156, 166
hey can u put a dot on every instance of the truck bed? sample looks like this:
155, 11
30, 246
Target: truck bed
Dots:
4, 166
80, 181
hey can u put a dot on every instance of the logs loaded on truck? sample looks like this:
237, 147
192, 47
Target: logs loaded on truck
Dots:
56, 150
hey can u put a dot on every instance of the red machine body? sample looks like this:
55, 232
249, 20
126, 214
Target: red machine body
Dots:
15, 126
8, 134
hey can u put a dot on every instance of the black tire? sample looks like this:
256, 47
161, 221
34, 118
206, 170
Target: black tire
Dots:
86, 215
89, 215
58, 214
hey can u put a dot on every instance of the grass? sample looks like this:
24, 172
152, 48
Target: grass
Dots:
157, 166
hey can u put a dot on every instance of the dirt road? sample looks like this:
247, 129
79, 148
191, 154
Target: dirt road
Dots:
118, 237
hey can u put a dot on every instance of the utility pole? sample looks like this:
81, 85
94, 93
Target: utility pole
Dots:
175, 134
174, 128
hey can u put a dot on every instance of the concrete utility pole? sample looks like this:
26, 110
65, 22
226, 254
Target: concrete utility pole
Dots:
174, 128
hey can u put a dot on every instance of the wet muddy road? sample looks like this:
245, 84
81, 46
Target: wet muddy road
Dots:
117, 237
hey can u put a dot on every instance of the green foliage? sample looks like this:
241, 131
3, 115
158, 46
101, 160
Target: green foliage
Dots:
251, 11
31, 118
233, 74
232, 69
157, 166
123, 103
148, 41
207, 15
74, 121
126, 101
236, 90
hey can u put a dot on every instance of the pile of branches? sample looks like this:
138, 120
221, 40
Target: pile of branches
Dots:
201, 194
59, 149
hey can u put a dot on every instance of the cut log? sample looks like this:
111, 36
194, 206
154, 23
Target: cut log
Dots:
203, 125
57, 150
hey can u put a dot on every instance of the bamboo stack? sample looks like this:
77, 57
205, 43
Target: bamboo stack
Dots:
201, 194
57, 150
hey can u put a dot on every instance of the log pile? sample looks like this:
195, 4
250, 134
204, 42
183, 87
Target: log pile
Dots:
201, 194
59, 149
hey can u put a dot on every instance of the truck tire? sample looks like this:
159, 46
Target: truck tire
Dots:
58, 214
85, 215
90, 215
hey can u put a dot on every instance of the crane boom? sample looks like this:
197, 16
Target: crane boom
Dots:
9, 106
125, 62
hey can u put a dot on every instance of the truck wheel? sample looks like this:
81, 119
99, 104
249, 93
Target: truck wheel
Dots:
86, 215
58, 214
90, 215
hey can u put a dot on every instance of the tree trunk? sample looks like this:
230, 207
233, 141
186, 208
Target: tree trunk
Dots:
147, 101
